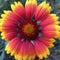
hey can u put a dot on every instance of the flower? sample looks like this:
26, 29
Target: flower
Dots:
30, 30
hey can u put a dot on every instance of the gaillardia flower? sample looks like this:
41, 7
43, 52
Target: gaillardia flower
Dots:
30, 30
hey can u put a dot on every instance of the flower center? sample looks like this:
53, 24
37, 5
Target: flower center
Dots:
28, 29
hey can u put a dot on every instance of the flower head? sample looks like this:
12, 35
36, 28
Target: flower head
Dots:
30, 30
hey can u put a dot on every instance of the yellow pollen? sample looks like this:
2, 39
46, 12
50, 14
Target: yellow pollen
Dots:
28, 29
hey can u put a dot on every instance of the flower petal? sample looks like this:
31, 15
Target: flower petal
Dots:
51, 31
41, 49
8, 25
23, 51
51, 19
31, 51
10, 18
13, 46
42, 11
18, 9
8, 36
27, 51
30, 8
7, 29
47, 41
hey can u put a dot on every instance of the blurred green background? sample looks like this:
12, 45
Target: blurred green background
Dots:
55, 52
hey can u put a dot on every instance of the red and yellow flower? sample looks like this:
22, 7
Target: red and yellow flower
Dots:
30, 30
